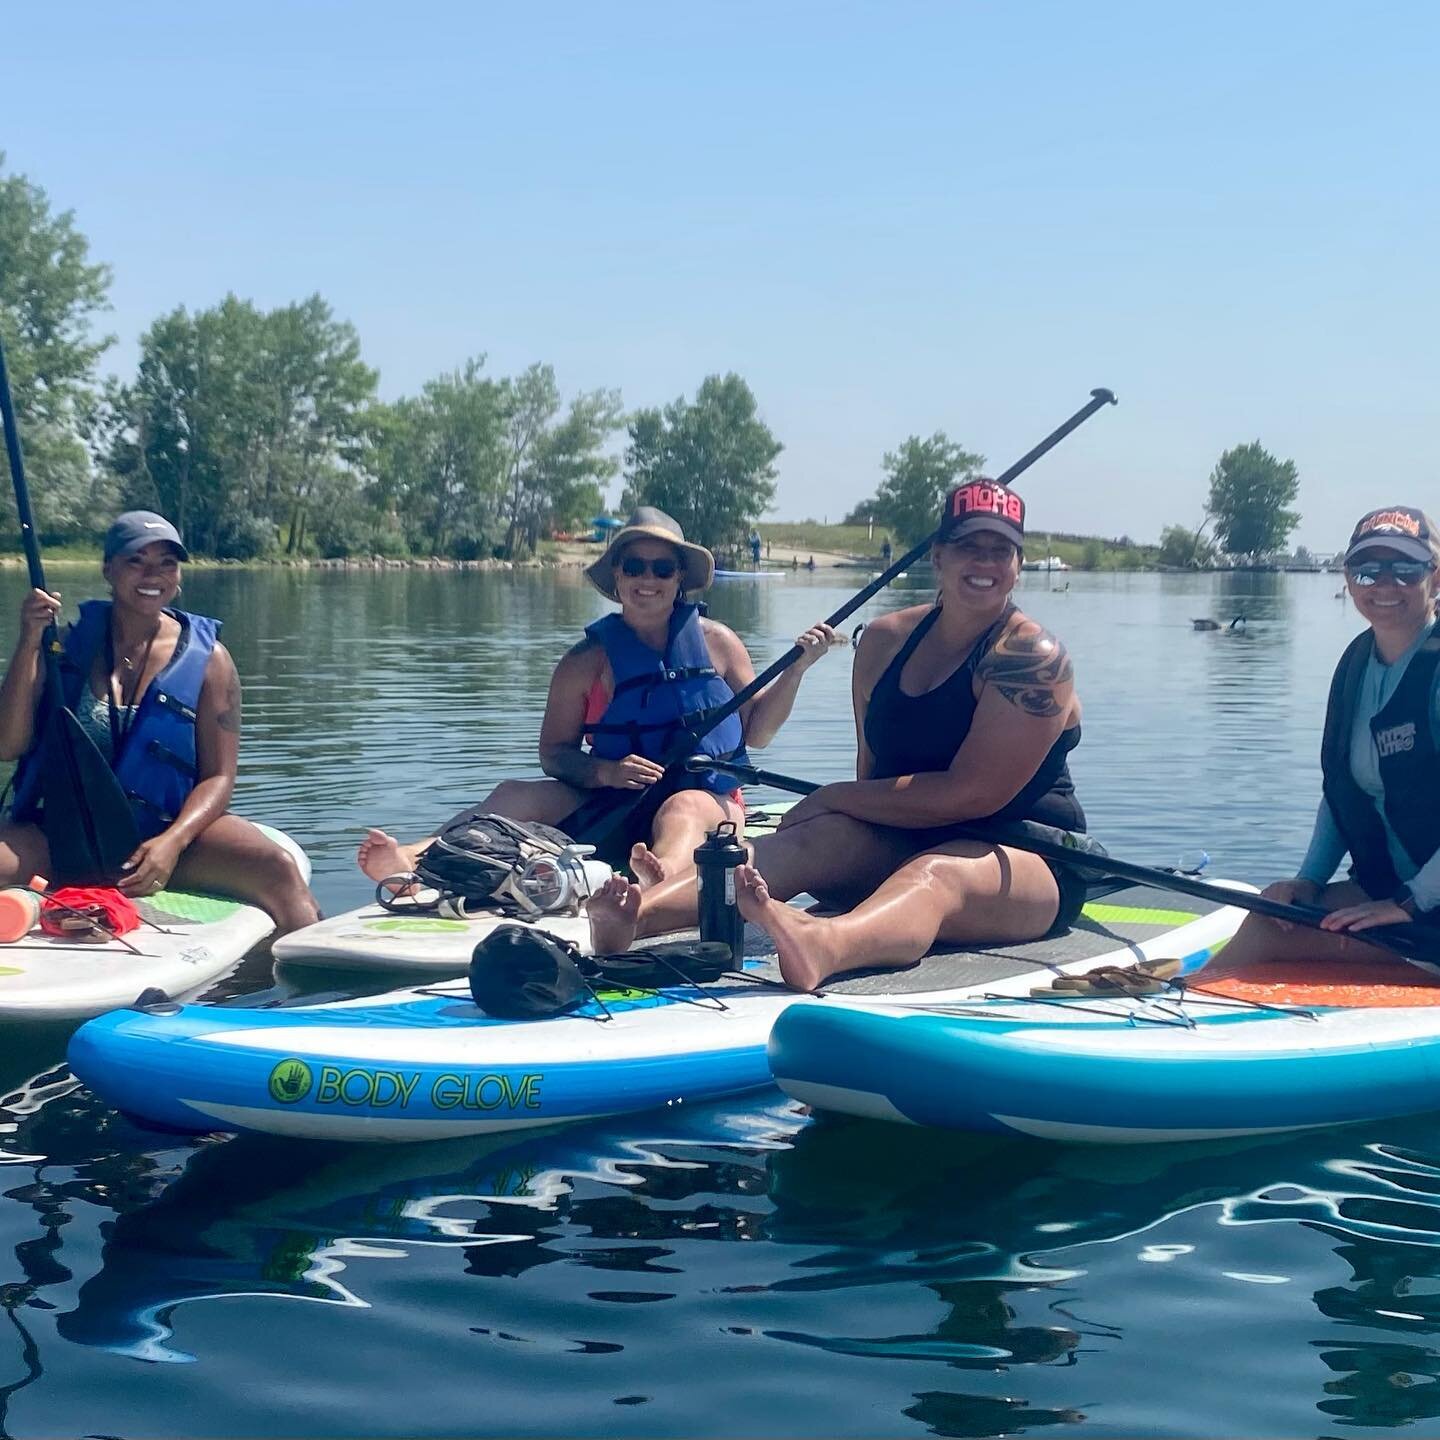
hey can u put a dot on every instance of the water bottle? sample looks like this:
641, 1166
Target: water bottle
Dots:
715, 863
19, 910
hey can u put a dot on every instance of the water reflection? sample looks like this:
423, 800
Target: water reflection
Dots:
818, 1242
706, 1267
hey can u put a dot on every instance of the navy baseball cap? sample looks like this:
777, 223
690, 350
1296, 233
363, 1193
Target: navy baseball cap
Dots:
136, 529
1397, 527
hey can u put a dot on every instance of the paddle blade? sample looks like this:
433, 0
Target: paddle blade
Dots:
88, 823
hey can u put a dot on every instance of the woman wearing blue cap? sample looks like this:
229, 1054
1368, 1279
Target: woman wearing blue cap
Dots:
1379, 759
159, 695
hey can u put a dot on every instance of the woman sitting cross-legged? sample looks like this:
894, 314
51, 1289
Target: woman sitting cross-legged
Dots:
159, 695
638, 680
965, 712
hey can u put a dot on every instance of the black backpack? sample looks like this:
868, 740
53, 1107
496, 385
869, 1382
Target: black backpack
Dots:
478, 857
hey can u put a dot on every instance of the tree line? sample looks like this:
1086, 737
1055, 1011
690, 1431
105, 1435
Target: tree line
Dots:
261, 432
1247, 509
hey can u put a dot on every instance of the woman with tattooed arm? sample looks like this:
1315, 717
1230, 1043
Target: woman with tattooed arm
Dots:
159, 695
965, 711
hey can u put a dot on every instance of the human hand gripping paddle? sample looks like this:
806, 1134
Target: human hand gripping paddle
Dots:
642, 807
88, 823
1389, 937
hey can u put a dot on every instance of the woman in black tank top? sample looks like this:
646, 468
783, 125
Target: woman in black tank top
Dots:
965, 712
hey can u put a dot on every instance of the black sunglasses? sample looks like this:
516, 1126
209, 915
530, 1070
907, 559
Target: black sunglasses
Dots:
635, 567
1403, 572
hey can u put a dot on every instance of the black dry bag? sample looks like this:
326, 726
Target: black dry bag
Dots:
518, 973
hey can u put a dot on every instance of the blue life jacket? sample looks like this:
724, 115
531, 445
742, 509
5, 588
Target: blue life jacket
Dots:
658, 697
1409, 766
156, 765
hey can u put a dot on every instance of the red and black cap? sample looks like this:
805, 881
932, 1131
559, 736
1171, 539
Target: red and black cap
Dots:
983, 505
1396, 527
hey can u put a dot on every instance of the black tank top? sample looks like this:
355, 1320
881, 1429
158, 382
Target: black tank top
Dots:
912, 734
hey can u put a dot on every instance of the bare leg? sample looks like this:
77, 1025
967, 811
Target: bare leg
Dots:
964, 891
681, 823
1261, 939
828, 849
23, 854
233, 857
547, 801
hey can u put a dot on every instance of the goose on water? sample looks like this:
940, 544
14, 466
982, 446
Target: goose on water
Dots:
1238, 623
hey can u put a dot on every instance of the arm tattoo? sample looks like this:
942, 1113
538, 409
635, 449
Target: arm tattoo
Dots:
1027, 667
229, 717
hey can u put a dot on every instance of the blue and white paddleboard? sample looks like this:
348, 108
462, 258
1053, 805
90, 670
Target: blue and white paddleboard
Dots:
425, 1063
1125, 1071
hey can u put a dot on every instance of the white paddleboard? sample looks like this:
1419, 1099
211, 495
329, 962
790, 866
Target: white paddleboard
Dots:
187, 941
374, 938
425, 943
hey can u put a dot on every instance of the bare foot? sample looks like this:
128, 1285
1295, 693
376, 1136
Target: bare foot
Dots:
381, 856
649, 868
614, 911
804, 945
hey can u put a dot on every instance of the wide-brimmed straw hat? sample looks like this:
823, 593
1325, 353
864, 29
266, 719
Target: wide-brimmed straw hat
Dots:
648, 523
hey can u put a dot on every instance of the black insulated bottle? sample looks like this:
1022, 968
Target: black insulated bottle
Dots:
715, 863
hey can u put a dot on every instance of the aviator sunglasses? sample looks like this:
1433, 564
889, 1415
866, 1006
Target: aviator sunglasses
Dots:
1402, 572
635, 567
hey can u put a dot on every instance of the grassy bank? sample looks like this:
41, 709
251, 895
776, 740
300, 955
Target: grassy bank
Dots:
1083, 552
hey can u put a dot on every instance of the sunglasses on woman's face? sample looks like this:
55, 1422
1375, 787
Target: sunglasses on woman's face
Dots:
635, 567
1402, 572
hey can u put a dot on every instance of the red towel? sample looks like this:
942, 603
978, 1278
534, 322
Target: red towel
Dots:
110, 911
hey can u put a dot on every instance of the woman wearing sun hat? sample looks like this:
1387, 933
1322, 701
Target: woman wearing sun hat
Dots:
159, 695
1379, 758
965, 712
635, 682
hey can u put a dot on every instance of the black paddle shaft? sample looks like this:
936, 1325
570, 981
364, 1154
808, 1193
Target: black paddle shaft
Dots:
88, 823
1388, 937
651, 798
1098, 400
28, 537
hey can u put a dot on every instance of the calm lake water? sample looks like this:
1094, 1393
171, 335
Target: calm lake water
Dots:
736, 1269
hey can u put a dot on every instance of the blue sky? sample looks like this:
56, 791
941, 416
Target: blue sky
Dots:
890, 218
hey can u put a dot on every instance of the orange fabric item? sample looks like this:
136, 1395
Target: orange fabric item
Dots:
116, 912
1365, 984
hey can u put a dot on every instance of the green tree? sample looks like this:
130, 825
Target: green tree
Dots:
709, 463
531, 402
918, 476
454, 457
1093, 556
1249, 492
1185, 549
49, 293
240, 423
570, 468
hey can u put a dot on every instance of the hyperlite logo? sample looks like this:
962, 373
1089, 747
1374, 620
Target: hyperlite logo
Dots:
1396, 740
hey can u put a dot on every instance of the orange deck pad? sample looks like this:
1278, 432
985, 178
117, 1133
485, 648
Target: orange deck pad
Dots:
1375, 984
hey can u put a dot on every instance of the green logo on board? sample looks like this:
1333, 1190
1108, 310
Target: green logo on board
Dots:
290, 1081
